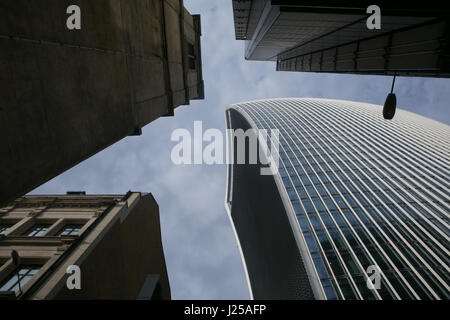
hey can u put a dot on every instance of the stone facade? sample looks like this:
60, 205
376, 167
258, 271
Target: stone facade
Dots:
115, 240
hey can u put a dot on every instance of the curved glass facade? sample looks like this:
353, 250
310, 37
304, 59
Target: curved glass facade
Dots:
365, 192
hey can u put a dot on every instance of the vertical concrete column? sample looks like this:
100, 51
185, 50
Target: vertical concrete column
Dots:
20, 227
54, 228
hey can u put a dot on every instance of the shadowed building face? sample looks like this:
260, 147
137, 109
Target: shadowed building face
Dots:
68, 94
354, 193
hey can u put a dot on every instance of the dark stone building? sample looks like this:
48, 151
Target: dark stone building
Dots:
114, 240
67, 94
332, 36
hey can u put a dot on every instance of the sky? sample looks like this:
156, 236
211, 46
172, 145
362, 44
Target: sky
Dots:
201, 251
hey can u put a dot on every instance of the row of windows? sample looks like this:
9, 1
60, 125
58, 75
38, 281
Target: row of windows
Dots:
343, 190
378, 134
322, 123
362, 154
4, 228
383, 147
339, 221
307, 192
38, 230
338, 176
425, 178
350, 173
15, 281
316, 179
341, 245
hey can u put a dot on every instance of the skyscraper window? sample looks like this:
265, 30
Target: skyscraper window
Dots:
364, 192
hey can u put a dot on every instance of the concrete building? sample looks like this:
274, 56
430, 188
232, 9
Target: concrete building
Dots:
355, 199
68, 94
115, 240
333, 37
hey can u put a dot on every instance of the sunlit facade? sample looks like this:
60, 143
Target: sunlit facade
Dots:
357, 191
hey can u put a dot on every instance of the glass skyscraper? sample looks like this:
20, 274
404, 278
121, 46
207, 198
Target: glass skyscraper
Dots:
352, 191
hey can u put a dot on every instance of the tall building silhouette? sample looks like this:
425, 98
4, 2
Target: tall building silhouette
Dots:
332, 36
353, 192
68, 94
114, 240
